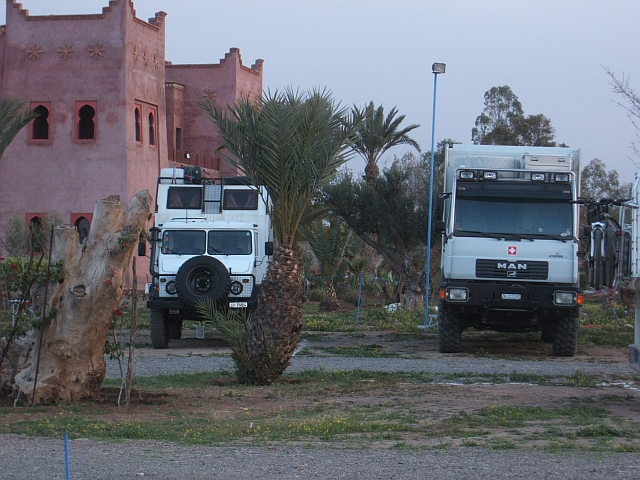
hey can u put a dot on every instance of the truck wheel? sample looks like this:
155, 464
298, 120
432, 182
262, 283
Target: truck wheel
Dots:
202, 278
159, 329
449, 332
565, 342
609, 258
548, 333
597, 259
175, 330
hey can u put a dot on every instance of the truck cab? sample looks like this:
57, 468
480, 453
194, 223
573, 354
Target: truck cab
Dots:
211, 242
509, 224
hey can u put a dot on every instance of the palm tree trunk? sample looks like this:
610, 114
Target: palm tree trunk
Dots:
277, 323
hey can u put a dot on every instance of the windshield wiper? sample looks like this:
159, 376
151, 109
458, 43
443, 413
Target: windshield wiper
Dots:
545, 236
472, 233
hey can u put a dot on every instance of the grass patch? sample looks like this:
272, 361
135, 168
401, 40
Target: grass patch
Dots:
371, 319
365, 351
607, 327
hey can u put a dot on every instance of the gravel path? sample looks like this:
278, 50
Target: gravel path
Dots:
42, 458
169, 364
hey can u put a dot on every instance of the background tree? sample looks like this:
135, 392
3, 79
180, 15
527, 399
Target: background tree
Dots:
14, 115
292, 143
503, 122
391, 216
597, 182
377, 134
622, 87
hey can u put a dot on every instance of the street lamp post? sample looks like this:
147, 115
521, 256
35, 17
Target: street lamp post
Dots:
436, 68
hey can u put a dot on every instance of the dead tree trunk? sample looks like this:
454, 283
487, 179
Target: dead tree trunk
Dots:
72, 365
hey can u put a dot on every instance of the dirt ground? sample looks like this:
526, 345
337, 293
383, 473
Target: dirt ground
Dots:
432, 406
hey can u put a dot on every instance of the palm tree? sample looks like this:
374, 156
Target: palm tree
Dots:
329, 240
292, 143
14, 115
377, 134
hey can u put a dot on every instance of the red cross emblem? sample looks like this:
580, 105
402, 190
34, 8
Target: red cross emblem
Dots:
512, 250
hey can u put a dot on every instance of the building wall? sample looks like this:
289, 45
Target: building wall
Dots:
222, 83
115, 62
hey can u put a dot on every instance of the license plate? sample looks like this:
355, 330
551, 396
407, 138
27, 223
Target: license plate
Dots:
237, 304
511, 296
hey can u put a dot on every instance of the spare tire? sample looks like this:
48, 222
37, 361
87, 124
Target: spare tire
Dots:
202, 278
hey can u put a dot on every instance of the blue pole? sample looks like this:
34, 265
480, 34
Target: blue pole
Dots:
359, 297
66, 455
427, 269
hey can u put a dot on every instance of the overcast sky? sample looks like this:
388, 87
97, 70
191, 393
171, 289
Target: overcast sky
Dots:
550, 52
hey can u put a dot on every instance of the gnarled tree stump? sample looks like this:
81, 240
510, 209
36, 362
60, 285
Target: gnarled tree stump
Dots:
71, 358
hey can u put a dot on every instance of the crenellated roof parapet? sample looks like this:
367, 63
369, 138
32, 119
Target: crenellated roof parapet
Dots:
154, 23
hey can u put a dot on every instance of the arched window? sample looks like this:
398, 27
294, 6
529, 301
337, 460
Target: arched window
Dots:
86, 125
40, 127
152, 129
86, 120
83, 226
36, 235
138, 125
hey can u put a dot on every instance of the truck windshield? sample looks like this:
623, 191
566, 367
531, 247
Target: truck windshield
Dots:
523, 217
229, 242
183, 242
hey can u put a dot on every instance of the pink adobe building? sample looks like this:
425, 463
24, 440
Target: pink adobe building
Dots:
113, 110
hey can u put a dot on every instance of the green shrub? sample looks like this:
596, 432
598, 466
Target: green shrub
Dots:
350, 297
316, 295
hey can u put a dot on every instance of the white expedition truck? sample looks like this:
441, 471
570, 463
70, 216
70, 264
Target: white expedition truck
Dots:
211, 240
509, 223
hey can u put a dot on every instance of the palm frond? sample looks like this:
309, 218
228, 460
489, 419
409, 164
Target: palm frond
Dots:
14, 115
291, 142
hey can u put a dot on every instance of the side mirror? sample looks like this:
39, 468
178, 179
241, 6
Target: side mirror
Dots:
268, 248
142, 249
439, 226
586, 232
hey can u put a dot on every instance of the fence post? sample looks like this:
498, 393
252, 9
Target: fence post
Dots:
66, 456
359, 298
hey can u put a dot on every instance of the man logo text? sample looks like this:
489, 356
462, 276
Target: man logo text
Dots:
512, 266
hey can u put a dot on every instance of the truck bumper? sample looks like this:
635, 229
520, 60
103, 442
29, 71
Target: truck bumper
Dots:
508, 308
498, 296
178, 307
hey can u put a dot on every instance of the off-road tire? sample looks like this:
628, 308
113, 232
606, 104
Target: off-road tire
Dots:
175, 329
565, 342
159, 328
548, 333
202, 278
449, 332
598, 267
609, 258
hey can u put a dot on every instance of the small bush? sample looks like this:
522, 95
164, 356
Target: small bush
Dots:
350, 297
316, 295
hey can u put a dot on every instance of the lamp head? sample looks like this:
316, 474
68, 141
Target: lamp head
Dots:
438, 68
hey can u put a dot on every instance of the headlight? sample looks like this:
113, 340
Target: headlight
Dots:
171, 288
490, 175
537, 177
236, 288
565, 298
466, 175
457, 294
561, 177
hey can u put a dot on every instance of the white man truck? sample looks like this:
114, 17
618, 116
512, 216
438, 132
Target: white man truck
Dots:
211, 242
509, 223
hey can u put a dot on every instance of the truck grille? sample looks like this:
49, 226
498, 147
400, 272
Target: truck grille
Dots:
510, 269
